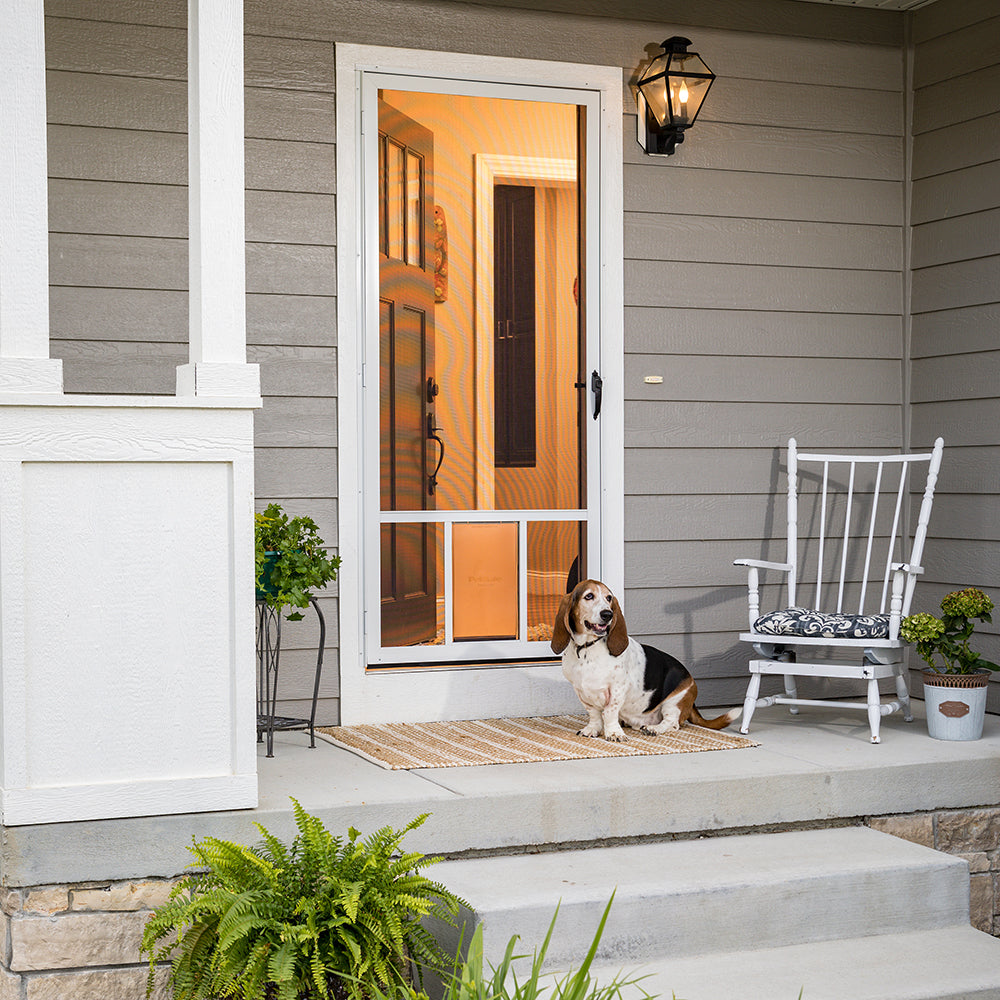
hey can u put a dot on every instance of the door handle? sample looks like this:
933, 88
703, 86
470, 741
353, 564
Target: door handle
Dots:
432, 435
597, 388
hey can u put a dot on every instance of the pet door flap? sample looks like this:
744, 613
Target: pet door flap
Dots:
484, 567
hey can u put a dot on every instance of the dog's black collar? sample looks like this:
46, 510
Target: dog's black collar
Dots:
586, 645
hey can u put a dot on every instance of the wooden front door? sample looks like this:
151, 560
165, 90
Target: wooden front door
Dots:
407, 387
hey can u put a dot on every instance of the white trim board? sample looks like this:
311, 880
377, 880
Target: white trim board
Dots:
463, 692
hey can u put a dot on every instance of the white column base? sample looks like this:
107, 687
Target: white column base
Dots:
31, 375
126, 608
205, 378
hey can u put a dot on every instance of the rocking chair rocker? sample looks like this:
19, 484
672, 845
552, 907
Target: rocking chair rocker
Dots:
841, 533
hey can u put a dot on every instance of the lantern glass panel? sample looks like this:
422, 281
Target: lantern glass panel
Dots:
673, 95
684, 63
686, 95
654, 89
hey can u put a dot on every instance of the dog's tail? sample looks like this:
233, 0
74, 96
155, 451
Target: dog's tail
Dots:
718, 723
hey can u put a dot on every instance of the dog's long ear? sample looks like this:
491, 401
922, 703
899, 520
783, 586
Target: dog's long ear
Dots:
560, 630
618, 633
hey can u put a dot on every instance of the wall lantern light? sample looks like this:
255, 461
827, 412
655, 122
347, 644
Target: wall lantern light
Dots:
669, 97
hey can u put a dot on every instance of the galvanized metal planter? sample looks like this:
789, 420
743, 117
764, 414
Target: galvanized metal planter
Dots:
956, 704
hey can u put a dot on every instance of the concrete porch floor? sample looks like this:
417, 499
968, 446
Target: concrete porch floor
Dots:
814, 769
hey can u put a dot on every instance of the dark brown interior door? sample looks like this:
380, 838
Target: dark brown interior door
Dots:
407, 384
514, 326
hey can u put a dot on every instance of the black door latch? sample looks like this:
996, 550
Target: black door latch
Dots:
597, 387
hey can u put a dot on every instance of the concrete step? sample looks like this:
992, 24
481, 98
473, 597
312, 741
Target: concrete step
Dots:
953, 963
717, 895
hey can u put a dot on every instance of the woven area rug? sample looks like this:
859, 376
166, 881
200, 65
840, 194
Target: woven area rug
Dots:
404, 746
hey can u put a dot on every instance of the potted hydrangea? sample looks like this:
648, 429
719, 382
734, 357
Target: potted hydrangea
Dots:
956, 679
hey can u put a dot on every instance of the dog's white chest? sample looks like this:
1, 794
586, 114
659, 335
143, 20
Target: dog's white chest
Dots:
597, 678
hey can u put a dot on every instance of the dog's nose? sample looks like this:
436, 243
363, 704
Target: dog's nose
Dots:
607, 614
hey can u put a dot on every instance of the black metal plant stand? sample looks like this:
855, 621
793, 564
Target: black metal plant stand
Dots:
268, 654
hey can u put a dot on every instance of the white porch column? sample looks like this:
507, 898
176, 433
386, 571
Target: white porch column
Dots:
217, 257
25, 366
126, 523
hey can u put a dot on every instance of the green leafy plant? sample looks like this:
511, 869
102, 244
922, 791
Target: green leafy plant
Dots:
469, 980
943, 643
290, 559
324, 918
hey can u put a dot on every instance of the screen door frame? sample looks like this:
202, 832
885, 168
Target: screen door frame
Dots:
371, 689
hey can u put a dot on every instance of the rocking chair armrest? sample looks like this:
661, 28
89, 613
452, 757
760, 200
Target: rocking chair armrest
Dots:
900, 573
753, 582
763, 564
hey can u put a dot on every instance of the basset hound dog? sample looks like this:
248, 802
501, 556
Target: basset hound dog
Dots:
618, 679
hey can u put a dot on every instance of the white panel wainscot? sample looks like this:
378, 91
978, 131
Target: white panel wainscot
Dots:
126, 607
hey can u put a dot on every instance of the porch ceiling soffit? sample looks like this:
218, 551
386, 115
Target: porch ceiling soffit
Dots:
877, 21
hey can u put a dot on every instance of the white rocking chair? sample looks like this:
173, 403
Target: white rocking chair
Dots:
847, 518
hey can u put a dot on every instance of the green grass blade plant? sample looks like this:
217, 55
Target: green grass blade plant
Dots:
580, 985
469, 980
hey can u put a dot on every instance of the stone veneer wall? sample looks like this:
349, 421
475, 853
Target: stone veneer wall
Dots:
78, 942
81, 942
973, 834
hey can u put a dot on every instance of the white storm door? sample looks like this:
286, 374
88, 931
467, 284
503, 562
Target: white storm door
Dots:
486, 483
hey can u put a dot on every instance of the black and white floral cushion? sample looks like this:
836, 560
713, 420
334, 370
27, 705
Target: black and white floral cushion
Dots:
801, 621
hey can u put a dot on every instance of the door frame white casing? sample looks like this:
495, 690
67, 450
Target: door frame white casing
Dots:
450, 692
490, 169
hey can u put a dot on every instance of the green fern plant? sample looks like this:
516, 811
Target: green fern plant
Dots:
325, 917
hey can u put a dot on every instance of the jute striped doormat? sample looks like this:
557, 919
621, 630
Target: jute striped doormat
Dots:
405, 746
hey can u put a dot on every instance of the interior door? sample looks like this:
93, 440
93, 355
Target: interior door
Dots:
514, 395
407, 386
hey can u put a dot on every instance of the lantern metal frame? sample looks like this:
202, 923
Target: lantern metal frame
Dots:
661, 138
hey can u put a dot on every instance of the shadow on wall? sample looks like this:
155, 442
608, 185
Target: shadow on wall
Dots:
711, 598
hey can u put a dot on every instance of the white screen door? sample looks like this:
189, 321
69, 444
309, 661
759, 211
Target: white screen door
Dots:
480, 449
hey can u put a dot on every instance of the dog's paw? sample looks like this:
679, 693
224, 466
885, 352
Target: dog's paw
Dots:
660, 728
618, 737
589, 731
647, 731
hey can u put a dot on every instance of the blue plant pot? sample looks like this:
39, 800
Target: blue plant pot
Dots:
956, 705
270, 558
